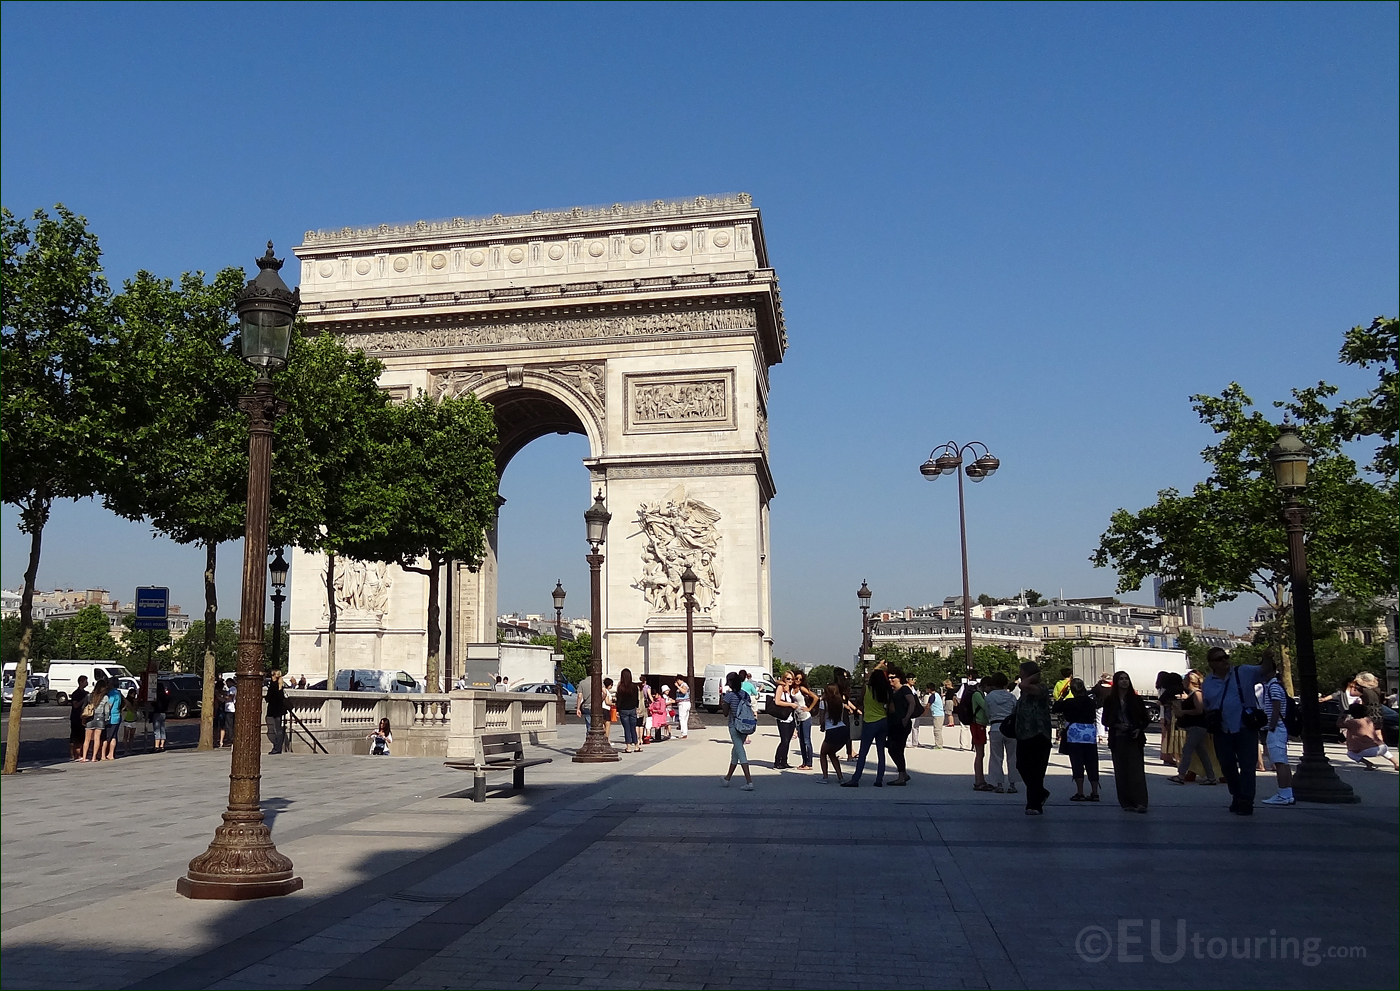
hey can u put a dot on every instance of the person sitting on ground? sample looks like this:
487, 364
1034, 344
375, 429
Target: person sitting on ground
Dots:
380, 739
1364, 738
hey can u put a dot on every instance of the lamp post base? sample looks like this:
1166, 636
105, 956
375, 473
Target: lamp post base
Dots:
1316, 780
596, 750
692, 722
241, 863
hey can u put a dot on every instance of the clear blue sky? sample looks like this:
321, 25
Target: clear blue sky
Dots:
1042, 227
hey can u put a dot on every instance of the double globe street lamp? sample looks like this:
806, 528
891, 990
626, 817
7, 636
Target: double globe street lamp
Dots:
1315, 780
242, 862
946, 460
689, 579
278, 569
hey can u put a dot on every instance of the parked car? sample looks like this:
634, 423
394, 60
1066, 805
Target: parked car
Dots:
547, 688
36, 689
186, 693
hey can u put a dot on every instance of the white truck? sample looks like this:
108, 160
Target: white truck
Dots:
1143, 664
63, 676
522, 664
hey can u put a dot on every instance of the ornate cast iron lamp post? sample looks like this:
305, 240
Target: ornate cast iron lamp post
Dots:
595, 749
278, 569
1315, 780
688, 582
946, 460
559, 594
864, 595
242, 861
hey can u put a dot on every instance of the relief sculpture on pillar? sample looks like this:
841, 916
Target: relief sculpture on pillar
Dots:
361, 589
678, 532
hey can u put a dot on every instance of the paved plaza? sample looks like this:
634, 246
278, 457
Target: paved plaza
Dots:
647, 874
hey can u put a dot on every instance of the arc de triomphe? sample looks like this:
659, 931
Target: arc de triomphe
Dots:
650, 329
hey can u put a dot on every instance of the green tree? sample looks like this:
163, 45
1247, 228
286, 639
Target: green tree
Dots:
189, 651
1376, 413
821, 676
186, 469
43, 645
60, 399
1056, 655
1225, 538
1338, 661
1033, 598
325, 440
428, 497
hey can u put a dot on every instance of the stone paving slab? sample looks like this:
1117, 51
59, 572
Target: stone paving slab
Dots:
647, 874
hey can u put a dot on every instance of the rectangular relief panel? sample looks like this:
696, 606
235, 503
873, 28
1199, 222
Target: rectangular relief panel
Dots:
691, 400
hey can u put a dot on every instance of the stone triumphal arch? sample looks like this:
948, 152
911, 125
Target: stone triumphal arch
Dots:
648, 328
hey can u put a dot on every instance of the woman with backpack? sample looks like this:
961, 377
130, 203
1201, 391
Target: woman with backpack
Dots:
875, 726
735, 703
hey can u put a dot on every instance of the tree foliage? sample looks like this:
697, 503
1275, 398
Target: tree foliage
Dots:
61, 401
1374, 415
1225, 538
188, 652
428, 497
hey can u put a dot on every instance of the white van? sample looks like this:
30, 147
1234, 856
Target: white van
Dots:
713, 686
376, 680
63, 676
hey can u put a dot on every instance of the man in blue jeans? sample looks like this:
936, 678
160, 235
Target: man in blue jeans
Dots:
1229, 692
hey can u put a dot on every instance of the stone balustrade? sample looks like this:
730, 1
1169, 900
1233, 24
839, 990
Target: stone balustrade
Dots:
443, 725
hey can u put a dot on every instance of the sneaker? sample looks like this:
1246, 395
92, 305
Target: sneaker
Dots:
747, 787
1278, 800
1011, 790
724, 782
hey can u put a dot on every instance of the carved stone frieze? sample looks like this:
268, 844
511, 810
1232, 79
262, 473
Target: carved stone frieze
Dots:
670, 402
557, 329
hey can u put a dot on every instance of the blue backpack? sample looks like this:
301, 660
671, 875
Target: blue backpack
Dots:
742, 718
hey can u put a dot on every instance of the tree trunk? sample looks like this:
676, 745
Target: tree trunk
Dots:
330, 622
434, 625
26, 636
211, 622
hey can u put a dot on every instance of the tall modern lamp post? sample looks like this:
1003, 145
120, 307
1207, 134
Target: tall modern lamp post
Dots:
596, 749
559, 594
242, 861
689, 579
278, 569
947, 460
864, 595
1315, 780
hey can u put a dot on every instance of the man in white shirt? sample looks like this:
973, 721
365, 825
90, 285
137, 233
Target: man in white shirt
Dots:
1230, 710
1000, 704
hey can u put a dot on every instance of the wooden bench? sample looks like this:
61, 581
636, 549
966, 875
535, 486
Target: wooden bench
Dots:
497, 752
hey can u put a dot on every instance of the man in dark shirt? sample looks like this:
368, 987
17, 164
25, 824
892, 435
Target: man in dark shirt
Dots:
276, 712
75, 718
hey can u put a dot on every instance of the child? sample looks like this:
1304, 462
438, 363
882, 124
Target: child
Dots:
129, 716
1363, 739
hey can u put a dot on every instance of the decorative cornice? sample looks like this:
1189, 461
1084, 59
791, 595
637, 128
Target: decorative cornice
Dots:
501, 223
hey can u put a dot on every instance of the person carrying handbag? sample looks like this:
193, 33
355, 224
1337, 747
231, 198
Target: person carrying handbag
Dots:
1125, 714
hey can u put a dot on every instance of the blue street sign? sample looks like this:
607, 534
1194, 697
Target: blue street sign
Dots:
152, 603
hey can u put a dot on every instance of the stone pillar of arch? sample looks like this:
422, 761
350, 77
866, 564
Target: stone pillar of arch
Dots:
648, 328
